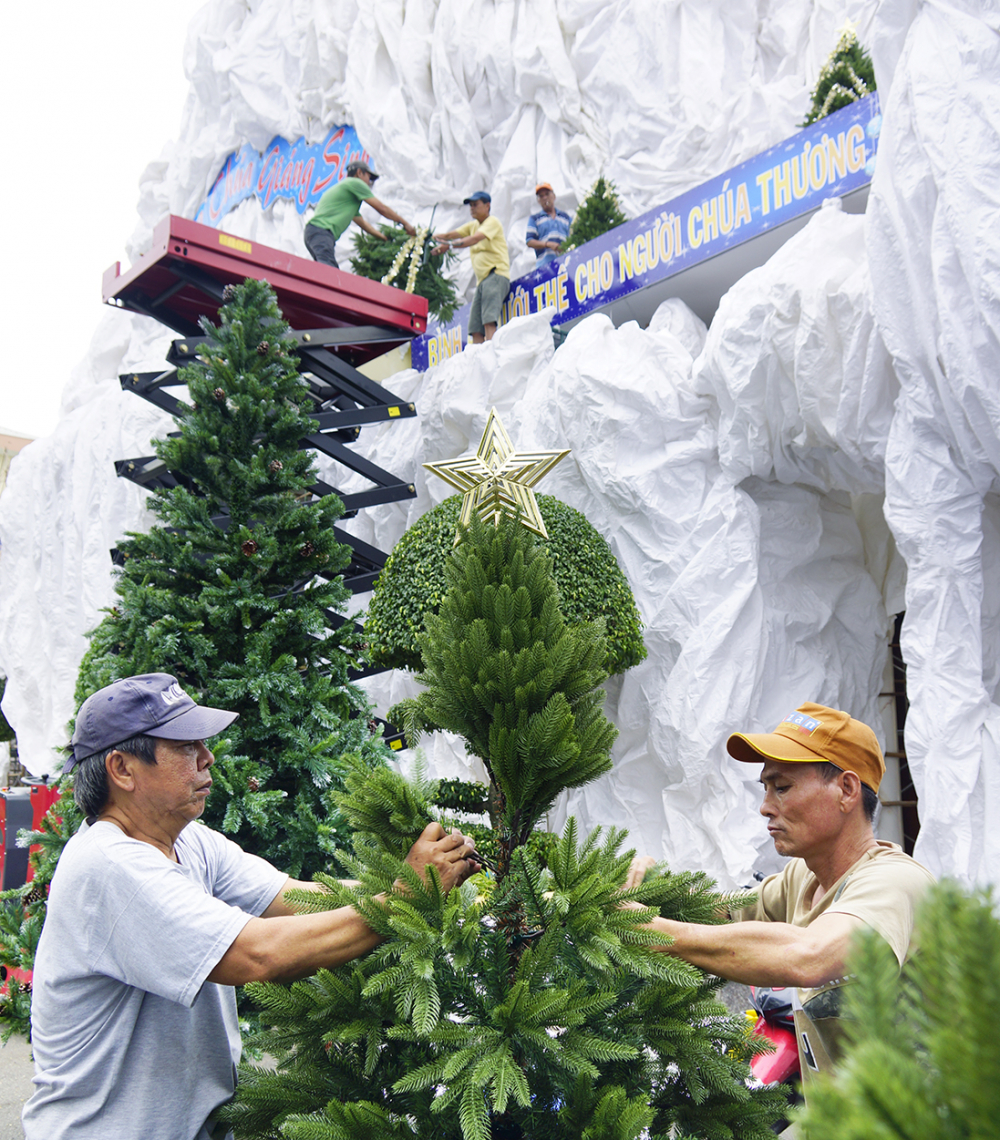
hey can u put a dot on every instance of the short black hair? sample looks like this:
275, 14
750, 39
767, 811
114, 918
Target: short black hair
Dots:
90, 777
869, 799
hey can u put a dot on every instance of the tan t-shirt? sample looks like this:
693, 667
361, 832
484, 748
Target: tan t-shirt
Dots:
883, 889
490, 253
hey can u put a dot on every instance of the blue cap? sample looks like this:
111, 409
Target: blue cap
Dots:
479, 196
151, 704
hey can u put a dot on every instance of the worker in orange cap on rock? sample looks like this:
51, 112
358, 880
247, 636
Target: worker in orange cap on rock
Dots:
820, 771
548, 230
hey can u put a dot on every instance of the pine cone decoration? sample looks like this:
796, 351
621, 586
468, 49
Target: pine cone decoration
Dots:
263, 347
249, 548
275, 465
253, 784
307, 550
229, 293
219, 394
36, 894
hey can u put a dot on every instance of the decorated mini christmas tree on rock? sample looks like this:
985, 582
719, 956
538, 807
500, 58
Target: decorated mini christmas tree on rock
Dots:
525, 1003
599, 212
846, 77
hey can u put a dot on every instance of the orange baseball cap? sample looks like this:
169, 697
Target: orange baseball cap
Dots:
543, 186
812, 734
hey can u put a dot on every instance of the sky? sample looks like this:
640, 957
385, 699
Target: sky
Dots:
89, 95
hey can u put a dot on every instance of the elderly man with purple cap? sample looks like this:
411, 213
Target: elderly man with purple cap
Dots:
153, 918
820, 773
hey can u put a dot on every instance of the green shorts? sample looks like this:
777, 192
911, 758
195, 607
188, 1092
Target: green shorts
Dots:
491, 293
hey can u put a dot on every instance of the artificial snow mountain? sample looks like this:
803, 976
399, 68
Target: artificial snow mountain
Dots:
775, 487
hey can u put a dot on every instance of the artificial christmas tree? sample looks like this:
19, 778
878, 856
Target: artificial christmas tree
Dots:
402, 262
847, 76
599, 212
523, 1004
231, 592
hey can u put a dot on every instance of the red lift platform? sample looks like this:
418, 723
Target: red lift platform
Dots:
183, 275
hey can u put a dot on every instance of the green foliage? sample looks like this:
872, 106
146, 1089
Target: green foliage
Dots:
591, 585
505, 672
237, 611
846, 77
373, 258
526, 1002
599, 212
922, 1057
459, 1026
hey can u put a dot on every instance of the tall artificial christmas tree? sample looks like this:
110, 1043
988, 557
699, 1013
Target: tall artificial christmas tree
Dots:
231, 591
525, 1003
599, 212
847, 76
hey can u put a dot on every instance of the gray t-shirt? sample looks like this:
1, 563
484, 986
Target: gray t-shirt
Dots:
129, 1038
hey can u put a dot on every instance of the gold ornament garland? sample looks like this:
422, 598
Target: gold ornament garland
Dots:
414, 247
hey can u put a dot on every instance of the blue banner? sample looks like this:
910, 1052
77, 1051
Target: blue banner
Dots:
829, 159
298, 171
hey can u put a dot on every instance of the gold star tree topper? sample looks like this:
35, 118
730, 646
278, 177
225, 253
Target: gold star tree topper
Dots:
498, 479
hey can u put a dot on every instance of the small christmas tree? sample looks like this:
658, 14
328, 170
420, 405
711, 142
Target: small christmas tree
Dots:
923, 1056
599, 212
846, 77
524, 1003
230, 591
402, 262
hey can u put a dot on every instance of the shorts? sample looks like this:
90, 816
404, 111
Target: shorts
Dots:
491, 293
322, 245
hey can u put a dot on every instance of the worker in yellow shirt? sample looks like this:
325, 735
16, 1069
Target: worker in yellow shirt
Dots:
487, 246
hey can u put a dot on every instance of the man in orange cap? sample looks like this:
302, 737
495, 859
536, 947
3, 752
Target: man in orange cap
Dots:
821, 772
548, 230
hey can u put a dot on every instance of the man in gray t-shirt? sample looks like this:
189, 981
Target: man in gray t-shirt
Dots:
153, 918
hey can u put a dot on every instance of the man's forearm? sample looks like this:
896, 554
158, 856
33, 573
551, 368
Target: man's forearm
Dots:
762, 953
285, 948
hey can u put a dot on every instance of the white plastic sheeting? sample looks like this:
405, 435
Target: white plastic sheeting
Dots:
933, 238
738, 476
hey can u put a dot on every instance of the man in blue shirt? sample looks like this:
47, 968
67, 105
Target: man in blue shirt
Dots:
548, 230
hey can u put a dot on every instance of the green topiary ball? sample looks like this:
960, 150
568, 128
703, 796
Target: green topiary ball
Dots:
591, 585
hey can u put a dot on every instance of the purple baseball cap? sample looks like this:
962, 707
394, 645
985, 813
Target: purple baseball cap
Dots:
151, 704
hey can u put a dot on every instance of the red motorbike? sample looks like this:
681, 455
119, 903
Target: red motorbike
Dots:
773, 1006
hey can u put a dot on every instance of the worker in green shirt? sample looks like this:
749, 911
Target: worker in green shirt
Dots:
340, 206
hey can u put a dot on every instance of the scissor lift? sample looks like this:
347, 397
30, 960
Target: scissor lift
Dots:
338, 320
